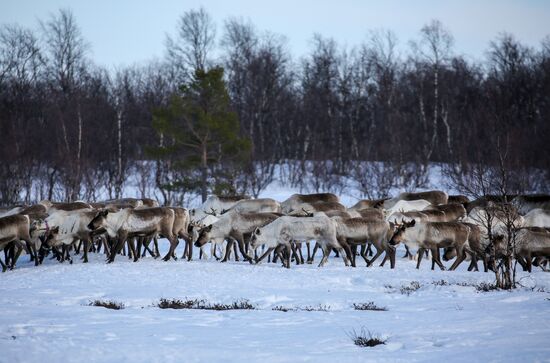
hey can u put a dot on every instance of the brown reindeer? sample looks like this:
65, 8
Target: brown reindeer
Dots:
129, 223
433, 236
13, 229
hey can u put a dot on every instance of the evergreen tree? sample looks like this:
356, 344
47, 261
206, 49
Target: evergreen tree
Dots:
201, 135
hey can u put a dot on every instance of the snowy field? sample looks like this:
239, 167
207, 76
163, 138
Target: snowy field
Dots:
46, 315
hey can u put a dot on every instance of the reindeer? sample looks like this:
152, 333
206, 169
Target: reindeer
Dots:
71, 227
370, 213
476, 248
128, 223
196, 226
434, 197
9, 211
528, 202
215, 205
234, 226
13, 229
453, 212
529, 243
355, 231
55, 206
433, 236
537, 218
408, 206
261, 205
367, 204
284, 230
458, 199
298, 201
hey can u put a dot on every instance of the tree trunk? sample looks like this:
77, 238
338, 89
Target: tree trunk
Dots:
204, 173
118, 187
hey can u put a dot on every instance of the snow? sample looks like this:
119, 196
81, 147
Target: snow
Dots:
46, 316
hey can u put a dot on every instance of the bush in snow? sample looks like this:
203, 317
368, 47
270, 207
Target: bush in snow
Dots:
107, 304
204, 305
365, 338
369, 306
413, 286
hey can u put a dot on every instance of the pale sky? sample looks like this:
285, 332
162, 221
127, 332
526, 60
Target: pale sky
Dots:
125, 32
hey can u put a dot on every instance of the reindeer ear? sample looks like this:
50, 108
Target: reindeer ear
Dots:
257, 232
208, 229
55, 229
412, 223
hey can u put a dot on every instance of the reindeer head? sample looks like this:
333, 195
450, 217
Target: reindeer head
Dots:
497, 246
204, 236
257, 238
46, 246
213, 212
38, 227
99, 220
398, 234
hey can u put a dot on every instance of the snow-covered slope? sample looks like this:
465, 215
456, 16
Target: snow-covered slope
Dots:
46, 318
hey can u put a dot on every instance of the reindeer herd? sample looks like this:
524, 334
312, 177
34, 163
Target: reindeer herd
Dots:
256, 229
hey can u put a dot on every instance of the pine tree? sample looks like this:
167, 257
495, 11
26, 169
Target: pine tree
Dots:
202, 135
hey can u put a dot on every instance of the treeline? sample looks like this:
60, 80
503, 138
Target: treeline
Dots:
71, 129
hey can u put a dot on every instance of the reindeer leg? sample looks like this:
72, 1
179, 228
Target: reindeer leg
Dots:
265, 254
32, 251
173, 244
529, 261
390, 252
86, 247
345, 251
407, 253
139, 245
326, 252
310, 260
293, 253
276, 255
288, 252
156, 242
228, 248
4, 267
420, 255
436, 258
378, 253
299, 249
236, 252
133, 247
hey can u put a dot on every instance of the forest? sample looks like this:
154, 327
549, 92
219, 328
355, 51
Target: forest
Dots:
378, 113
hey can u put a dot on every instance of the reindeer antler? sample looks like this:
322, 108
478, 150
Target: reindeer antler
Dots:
308, 213
212, 213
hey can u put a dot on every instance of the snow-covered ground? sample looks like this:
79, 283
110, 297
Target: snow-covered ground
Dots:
46, 318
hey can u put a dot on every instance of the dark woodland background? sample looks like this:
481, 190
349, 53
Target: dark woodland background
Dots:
376, 113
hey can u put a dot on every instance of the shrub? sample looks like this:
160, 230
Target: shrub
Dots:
107, 304
413, 286
369, 306
204, 305
365, 338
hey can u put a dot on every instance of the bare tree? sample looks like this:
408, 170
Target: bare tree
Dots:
434, 48
66, 50
20, 61
189, 50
